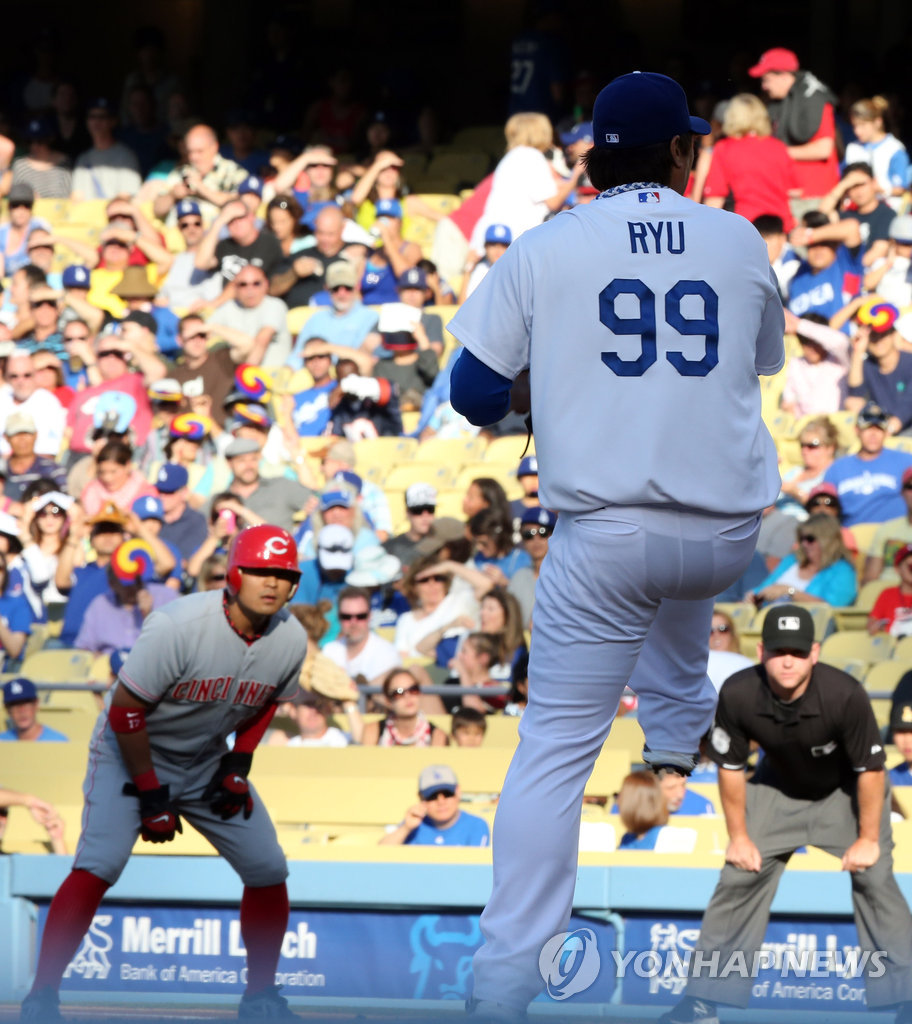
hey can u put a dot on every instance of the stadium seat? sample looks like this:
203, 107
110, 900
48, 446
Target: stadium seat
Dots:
403, 476
449, 503
864, 537
489, 138
64, 665
502, 472
452, 451
740, 612
297, 317
386, 451
508, 449
882, 677
856, 645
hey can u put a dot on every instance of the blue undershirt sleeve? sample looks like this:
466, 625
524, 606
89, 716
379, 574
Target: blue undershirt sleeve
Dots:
477, 392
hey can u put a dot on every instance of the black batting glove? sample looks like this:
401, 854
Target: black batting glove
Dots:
160, 822
228, 792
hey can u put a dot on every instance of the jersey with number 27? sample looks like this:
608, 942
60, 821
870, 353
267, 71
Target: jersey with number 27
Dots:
644, 319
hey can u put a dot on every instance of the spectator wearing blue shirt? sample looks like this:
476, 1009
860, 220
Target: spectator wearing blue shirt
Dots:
869, 482
15, 232
20, 701
437, 819
309, 410
681, 800
16, 615
878, 371
831, 274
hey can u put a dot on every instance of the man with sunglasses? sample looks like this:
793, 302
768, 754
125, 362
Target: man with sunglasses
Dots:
868, 483
24, 467
246, 244
358, 650
437, 819
299, 276
258, 321
41, 329
186, 286
535, 528
22, 395
421, 509
205, 371
346, 323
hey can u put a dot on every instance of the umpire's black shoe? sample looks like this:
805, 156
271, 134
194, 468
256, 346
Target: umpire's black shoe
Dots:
41, 1007
266, 1004
691, 1011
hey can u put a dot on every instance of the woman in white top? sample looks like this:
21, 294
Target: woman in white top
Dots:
876, 146
435, 604
525, 187
47, 515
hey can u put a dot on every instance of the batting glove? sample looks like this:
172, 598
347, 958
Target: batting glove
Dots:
159, 820
228, 792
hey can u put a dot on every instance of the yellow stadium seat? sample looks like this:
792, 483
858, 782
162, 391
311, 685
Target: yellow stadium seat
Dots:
502, 472
383, 451
410, 418
64, 665
883, 676
857, 645
508, 449
403, 476
903, 650
452, 451
901, 444
488, 137
449, 503
297, 317
461, 168
780, 424
52, 210
864, 537
741, 613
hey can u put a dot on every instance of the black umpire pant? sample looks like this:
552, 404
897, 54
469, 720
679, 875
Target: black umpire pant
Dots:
738, 914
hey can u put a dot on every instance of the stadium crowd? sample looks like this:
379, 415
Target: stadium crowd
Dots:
203, 330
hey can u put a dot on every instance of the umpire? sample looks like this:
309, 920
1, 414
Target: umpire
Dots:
820, 783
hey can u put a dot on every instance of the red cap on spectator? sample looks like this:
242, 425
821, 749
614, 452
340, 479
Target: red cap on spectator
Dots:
777, 59
907, 476
902, 555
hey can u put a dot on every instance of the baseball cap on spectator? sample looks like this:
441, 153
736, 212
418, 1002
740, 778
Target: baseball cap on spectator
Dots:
901, 716
250, 414
907, 476
21, 193
77, 277
340, 273
446, 529
100, 103
108, 513
822, 494
435, 779
39, 128
900, 229
241, 446
528, 466
251, 185
388, 208
399, 341
788, 627
135, 284
776, 59
498, 234
902, 555
113, 412
165, 390
538, 517
336, 497
347, 476
287, 142
335, 545
149, 507
414, 277
581, 132
58, 498
19, 691
374, 566
420, 495
871, 415
188, 208
640, 109
171, 477
9, 528
20, 423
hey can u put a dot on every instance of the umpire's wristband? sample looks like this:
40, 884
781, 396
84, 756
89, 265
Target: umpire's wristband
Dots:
236, 762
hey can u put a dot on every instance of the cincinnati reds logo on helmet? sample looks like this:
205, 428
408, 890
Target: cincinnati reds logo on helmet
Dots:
276, 546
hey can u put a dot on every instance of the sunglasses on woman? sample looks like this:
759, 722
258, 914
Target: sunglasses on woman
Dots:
51, 510
436, 578
401, 691
535, 531
720, 629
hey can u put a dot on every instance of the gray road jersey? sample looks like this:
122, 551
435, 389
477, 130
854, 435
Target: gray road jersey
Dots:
202, 678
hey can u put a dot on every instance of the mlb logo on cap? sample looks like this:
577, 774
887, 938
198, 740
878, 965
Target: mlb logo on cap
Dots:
528, 466
252, 185
389, 208
498, 234
149, 508
19, 691
788, 628
187, 208
539, 517
76, 277
435, 779
413, 278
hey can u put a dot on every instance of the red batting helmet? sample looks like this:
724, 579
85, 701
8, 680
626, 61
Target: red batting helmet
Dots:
261, 547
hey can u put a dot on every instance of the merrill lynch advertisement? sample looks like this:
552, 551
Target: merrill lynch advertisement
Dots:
428, 956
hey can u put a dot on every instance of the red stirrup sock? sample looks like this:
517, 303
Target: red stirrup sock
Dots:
69, 917
264, 918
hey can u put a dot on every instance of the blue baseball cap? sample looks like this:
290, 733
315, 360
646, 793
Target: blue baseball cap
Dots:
498, 234
412, 278
149, 508
581, 132
76, 277
188, 208
171, 477
346, 476
389, 208
640, 109
336, 498
538, 517
252, 185
19, 691
528, 466
117, 659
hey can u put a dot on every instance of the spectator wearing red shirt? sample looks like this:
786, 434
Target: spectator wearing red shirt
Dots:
802, 114
750, 165
892, 611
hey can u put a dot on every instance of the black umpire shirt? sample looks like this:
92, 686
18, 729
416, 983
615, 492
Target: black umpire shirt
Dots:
812, 746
